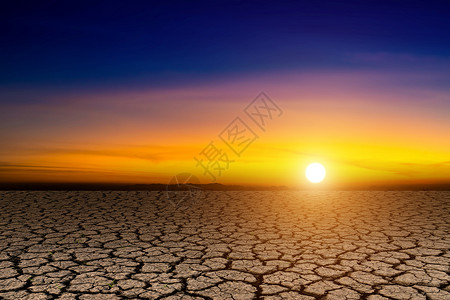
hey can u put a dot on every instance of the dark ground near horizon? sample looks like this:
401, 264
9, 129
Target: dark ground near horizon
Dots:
225, 245
90, 186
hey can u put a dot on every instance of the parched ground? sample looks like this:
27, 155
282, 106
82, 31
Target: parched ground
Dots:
227, 245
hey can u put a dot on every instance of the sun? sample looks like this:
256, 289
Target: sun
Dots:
315, 172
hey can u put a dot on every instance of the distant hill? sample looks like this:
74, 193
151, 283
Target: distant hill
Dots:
128, 187
209, 187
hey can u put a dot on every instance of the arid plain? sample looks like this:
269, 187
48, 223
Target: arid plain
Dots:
225, 245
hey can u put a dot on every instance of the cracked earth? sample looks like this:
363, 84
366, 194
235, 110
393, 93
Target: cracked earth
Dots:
228, 245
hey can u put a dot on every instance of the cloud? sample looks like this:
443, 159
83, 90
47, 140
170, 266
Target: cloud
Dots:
8, 167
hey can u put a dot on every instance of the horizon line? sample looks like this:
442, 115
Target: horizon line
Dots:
94, 186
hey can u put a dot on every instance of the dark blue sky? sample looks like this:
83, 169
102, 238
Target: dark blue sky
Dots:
101, 42
132, 90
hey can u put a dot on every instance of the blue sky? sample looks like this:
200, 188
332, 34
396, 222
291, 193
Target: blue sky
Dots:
84, 44
131, 91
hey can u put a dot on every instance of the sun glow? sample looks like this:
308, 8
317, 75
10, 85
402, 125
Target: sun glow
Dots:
315, 172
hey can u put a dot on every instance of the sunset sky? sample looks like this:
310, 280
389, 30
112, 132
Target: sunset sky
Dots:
132, 92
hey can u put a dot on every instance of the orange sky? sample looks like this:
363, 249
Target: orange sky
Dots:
365, 128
